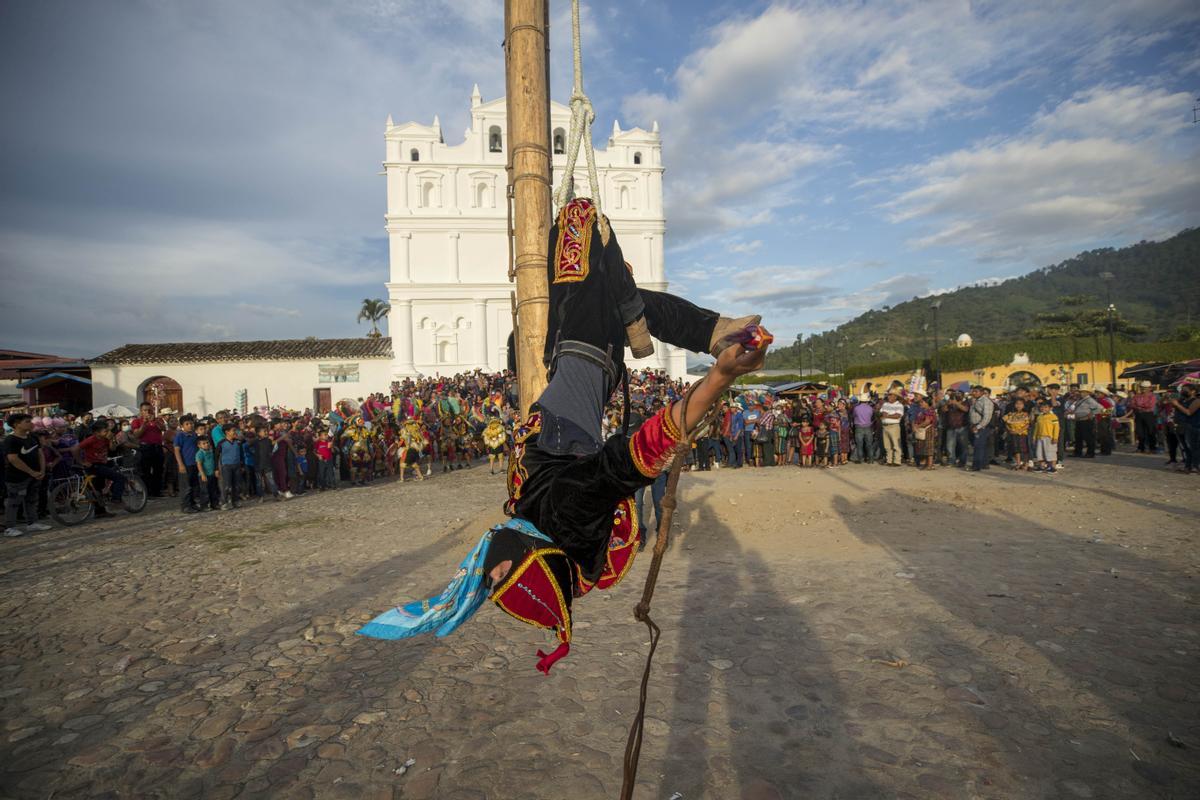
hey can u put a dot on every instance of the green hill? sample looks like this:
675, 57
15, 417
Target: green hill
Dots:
1156, 290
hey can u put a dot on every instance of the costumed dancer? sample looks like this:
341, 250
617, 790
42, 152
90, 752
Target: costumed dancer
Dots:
359, 437
463, 441
574, 523
412, 444
494, 439
446, 448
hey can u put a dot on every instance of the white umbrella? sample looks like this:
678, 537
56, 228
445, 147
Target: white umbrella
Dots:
112, 410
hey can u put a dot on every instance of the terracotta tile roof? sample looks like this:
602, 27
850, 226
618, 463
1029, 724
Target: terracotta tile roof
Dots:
266, 350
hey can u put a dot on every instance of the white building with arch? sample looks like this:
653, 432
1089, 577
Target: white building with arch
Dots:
448, 248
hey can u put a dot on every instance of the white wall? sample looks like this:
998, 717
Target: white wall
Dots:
448, 250
209, 386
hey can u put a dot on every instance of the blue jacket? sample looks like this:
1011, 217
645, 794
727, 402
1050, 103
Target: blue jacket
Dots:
737, 424
206, 462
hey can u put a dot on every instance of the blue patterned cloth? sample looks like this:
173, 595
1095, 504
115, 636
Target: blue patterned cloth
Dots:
457, 603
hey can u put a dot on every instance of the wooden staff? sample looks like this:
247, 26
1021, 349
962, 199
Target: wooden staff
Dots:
527, 79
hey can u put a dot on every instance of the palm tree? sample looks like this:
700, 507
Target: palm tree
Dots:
374, 310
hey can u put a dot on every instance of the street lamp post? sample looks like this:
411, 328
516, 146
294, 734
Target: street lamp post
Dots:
1108, 277
937, 358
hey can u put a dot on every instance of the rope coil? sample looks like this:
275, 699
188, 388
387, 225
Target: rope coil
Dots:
582, 117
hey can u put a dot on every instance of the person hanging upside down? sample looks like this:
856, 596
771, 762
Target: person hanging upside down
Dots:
574, 523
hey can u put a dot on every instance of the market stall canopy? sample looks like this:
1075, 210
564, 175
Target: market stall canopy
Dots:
112, 410
800, 388
53, 377
1140, 370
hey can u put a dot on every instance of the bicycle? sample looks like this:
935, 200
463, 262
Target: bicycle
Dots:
73, 499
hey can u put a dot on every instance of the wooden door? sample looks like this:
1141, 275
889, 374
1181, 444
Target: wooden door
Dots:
322, 400
163, 392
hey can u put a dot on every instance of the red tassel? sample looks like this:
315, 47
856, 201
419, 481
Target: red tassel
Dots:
547, 660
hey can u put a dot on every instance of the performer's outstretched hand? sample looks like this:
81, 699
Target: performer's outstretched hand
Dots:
744, 357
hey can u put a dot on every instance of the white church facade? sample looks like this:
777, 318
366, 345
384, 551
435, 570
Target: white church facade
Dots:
448, 284
448, 246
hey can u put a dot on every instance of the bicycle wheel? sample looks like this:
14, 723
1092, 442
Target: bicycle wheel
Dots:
72, 503
134, 496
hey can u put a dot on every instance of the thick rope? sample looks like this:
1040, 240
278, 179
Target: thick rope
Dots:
582, 117
633, 745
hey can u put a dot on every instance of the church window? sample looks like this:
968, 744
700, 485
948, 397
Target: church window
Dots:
560, 141
623, 197
427, 194
637, 158
447, 352
414, 155
481, 195
495, 140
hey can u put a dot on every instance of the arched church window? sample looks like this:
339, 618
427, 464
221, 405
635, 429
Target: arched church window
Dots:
414, 155
427, 194
637, 158
495, 140
623, 197
560, 141
481, 195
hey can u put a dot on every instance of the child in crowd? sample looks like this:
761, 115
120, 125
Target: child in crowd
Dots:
229, 457
822, 444
301, 467
206, 468
1016, 424
186, 444
324, 451
833, 425
1045, 434
250, 485
807, 442
263, 466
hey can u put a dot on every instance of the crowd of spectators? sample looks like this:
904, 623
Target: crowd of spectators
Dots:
218, 462
1030, 428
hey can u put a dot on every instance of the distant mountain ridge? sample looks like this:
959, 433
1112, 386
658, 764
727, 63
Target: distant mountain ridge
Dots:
1155, 284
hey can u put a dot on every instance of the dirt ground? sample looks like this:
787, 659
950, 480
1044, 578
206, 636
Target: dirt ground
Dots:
857, 632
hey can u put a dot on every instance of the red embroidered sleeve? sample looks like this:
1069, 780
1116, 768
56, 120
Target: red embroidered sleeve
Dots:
654, 443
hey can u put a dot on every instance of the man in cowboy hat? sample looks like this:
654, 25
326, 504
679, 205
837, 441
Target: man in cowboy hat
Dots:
983, 409
891, 415
1086, 410
1144, 404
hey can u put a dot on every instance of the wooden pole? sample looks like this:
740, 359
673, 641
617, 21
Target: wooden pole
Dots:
526, 51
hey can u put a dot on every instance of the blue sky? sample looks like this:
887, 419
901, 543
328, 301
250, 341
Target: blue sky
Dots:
173, 170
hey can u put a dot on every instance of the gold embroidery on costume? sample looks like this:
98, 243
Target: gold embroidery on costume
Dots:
574, 241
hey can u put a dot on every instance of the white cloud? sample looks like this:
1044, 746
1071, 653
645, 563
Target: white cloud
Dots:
270, 311
745, 248
796, 75
1118, 112
1101, 165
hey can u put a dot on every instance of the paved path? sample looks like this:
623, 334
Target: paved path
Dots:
856, 632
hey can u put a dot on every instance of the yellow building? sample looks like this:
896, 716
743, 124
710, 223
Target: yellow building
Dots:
1020, 372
